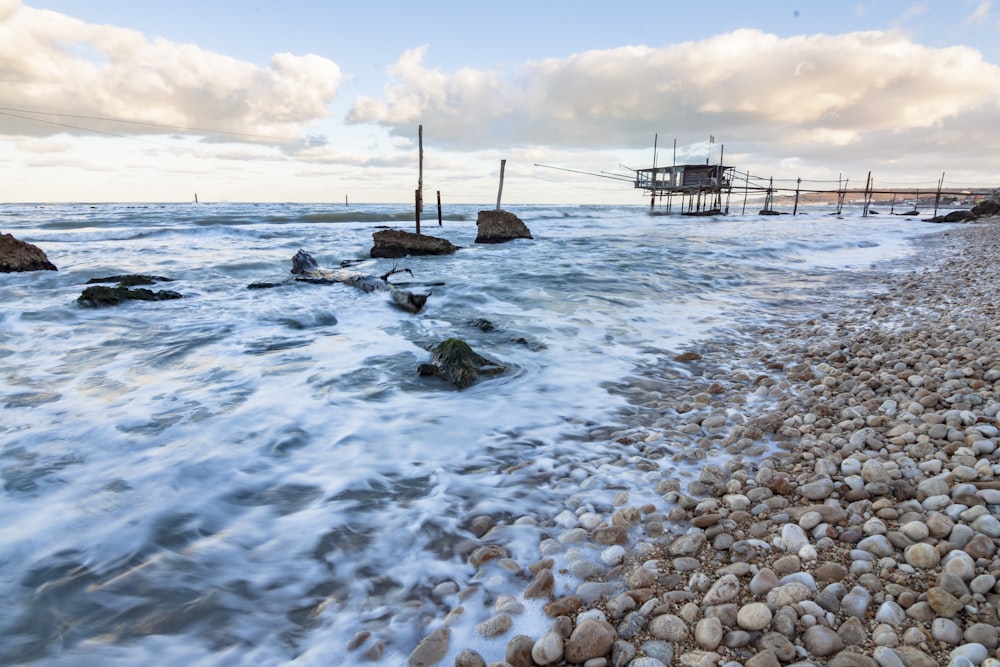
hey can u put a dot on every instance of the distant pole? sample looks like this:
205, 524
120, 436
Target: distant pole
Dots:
196, 198
345, 201
746, 191
439, 208
416, 197
420, 174
868, 195
652, 197
503, 166
798, 184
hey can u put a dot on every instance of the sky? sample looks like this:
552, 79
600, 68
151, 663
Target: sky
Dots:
316, 101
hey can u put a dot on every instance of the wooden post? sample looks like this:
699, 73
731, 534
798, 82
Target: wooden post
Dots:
937, 198
652, 197
416, 197
746, 191
345, 201
503, 165
439, 208
420, 173
868, 196
798, 184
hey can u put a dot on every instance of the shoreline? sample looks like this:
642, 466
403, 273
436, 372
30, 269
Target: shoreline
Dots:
856, 522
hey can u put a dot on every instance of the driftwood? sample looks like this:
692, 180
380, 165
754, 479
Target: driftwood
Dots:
305, 265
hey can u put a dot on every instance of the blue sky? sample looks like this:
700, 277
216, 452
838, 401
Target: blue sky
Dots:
315, 101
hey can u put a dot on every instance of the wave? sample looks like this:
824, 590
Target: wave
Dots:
359, 216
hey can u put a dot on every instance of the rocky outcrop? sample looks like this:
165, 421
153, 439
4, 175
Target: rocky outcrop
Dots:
394, 243
456, 362
18, 255
100, 296
500, 226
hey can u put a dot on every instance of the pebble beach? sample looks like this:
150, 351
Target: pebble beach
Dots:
847, 510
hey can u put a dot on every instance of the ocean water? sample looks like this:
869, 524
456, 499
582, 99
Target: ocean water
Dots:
254, 476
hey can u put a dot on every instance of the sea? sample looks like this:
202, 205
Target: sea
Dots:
260, 476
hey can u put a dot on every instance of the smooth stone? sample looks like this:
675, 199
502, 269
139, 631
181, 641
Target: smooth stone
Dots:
518, 653
891, 613
856, 602
944, 603
591, 638
762, 582
922, 556
646, 661
822, 641
724, 590
708, 633
469, 658
887, 657
431, 649
974, 653
668, 627
548, 649
754, 616
946, 630
982, 633
659, 650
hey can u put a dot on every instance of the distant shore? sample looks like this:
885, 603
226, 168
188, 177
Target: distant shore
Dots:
866, 535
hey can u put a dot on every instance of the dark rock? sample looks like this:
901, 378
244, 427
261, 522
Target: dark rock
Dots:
500, 226
396, 243
954, 216
18, 255
99, 296
456, 362
130, 280
987, 207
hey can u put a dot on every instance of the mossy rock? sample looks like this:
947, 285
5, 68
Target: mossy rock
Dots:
456, 362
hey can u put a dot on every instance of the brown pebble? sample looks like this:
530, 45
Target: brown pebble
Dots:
563, 606
610, 535
542, 586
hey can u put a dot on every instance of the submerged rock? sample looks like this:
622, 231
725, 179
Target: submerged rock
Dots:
500, 226
16, 256
99, 296
130, 280
395, 243
456, 362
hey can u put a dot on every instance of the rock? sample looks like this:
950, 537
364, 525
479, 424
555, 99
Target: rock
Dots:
456, 362
542, 586
17, 256
708, 633
856, 602
922, 556
99, 296
724, 590
669, 628
563, 606
469, 658
821, 641
818, 490
547, 650
887, 657
394, 243
500, 226
944, 603
495, 626
431, 649
754, 616
591, 638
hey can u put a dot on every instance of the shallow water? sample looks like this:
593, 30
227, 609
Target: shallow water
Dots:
252, 476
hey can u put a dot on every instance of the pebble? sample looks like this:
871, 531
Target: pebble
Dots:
863, 530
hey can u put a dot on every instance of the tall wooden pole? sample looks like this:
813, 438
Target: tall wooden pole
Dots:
420, 173
503, 166
652, 198
746, 191
798, 184
937, 198
416, 198
439, 208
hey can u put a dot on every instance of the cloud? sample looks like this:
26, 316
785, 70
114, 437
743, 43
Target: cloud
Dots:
70, 74
875, 89
981, 14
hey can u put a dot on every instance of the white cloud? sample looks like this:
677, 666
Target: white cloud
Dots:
981, 14
53, 63
877, 89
